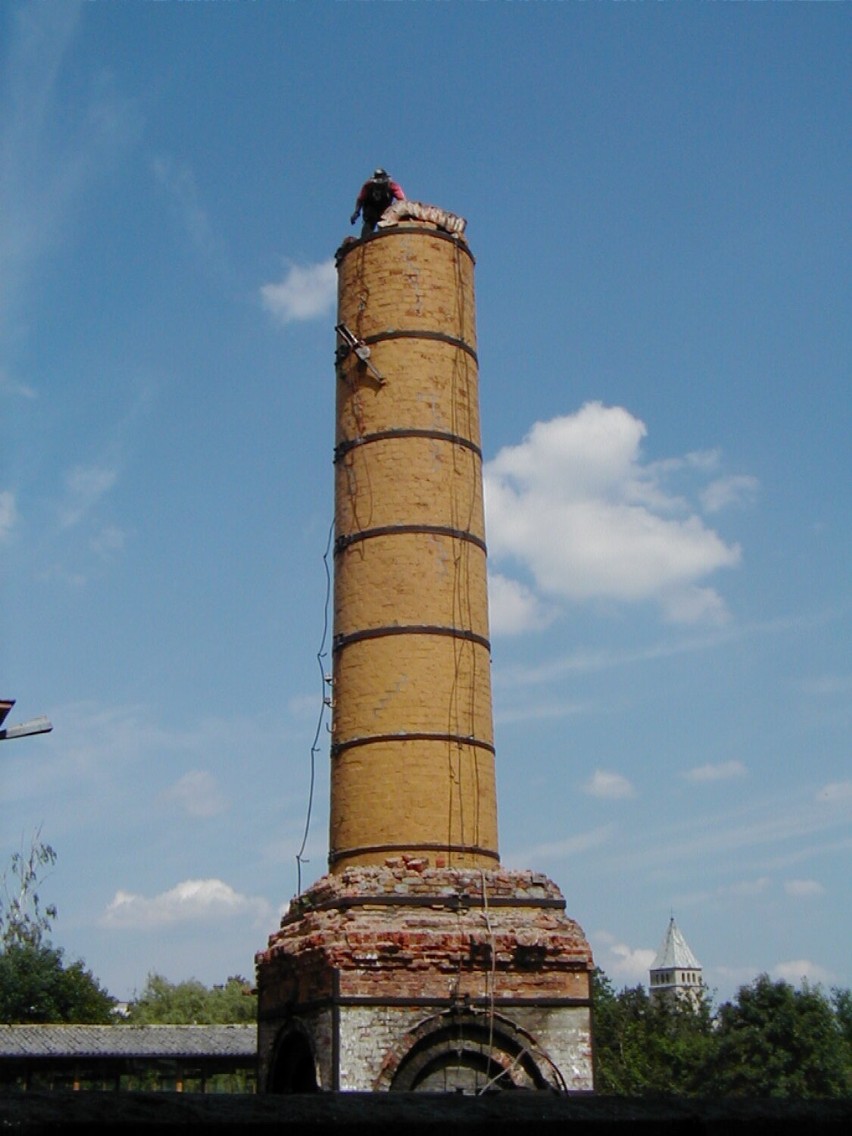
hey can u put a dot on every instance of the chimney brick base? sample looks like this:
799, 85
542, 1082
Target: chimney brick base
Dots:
413, 977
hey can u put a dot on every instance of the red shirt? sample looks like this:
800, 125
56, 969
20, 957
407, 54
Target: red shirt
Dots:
395, 188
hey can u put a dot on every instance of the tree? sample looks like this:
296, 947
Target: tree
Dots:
772, 1040
23, 921
841, 1000
620, 1066
776, 1041
37, 987
192, 1003
646, 1046
35, 984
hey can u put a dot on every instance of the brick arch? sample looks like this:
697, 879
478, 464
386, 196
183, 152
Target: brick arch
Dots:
467, 1051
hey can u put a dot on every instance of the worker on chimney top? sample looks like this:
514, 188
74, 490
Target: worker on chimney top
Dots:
377, 193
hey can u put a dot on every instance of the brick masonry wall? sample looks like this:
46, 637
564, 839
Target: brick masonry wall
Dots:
434, 962
428, 280
474, 921
435, 388
367, 1035
392, 791
397, 945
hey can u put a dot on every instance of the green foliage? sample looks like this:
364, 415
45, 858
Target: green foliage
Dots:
648, 1047
770, 1041
192, 1003
23, 920
841, 1001
35, 984
775, 1041
36, 987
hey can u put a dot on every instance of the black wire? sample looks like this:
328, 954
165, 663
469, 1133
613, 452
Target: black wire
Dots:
321, 654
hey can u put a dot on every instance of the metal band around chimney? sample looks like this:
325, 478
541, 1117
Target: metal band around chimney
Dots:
345, 539
416, 333
341, 641
455, 901
376, 739
389, 849
343, 448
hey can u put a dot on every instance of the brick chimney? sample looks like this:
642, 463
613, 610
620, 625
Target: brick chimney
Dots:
417, 963
412, 735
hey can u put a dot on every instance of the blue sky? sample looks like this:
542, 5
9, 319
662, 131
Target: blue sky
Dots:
658, 201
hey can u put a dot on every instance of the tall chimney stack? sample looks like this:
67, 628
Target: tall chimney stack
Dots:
412, 734
417, 963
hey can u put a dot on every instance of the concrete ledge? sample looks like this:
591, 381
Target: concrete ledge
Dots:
417, 1114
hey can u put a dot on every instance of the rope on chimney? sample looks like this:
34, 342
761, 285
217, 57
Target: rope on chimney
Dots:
322, 654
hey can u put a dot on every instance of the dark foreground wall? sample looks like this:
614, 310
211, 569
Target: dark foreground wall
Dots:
416, 1114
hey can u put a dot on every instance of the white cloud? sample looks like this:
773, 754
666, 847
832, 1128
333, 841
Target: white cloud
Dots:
304, 705
695, 605
563, 849
738, 489
801, 970
8, 513
836, 792
575, 506
584, 661
745, 889
14, 387
610, 786
48, 154
828, 685
512, 607
178, 180
724, 771
84, 488
304, 293
803, 889
539, 711
94, 749
739, 889
189, 901
109, 541
198, 794
735, 975
622, 964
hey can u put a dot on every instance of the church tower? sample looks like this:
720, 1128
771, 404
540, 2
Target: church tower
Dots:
676, 972
418, 962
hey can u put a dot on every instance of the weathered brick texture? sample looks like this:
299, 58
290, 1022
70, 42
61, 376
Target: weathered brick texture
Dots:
393, 946
417, 962
412, 728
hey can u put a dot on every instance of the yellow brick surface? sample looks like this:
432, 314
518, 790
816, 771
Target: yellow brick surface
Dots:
403, 809
434, 388
402, 480
426, 578
412, 683
433, 792
408, 279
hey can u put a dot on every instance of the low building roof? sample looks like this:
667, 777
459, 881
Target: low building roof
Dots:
127, 1041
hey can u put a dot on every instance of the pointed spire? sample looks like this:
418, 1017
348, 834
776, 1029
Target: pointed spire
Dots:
676, 972
674, 951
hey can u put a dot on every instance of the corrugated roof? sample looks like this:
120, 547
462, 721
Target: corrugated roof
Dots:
128, 1041
674, 951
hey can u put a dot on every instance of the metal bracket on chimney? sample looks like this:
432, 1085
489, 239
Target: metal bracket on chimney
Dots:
362, 351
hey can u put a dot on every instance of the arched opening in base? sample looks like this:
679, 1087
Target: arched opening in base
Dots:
470, 1054
293, 1068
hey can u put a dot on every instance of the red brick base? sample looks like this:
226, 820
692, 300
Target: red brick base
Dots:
413, 977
